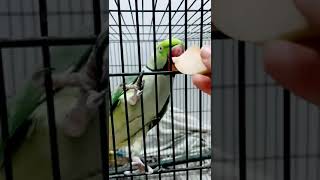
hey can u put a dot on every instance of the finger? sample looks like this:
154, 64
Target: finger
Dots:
311, 11
202, 82
205, 54
296, 67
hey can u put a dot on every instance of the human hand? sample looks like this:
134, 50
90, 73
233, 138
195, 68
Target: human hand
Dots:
296, 65
203, 82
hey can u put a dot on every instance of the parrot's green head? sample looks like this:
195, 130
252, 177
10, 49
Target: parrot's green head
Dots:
163, 60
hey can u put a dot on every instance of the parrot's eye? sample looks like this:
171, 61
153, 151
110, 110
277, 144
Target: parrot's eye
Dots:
160, 48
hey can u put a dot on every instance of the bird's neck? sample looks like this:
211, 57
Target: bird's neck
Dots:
148, 69
150, 65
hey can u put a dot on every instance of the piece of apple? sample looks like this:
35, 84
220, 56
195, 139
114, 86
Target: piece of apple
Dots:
259, 20
190, 62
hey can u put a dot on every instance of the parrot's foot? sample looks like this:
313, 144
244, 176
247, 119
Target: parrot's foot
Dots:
138, 85
95, 99
38, 77
138, 90
135, 86
137, 163
134, 98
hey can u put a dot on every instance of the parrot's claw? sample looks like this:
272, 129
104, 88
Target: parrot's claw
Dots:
138, 164
138, 89
141, 85
136, 96
95, 99
131, 86
140, 81
139, 93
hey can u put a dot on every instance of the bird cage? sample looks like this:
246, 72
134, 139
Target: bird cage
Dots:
69, 38
179, 146
249, 128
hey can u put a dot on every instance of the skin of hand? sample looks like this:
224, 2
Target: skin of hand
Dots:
296, 65
203, 82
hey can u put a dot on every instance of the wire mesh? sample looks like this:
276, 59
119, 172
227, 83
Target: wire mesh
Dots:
142, 28
143, 25
259, 130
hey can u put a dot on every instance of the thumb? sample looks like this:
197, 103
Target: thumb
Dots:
310, 9
205, 54
296, 67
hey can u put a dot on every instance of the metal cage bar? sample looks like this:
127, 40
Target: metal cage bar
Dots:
124, 88
156, 82
171, 92
186, 84
242, 112
4, 125
102, 84
200, 92
49, 93
141, 102
286, 136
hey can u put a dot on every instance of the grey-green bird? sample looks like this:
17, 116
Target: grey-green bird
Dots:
144, 85
75, 105
76, 110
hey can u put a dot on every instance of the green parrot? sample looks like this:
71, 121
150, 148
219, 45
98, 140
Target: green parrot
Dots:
76, 107
143, 85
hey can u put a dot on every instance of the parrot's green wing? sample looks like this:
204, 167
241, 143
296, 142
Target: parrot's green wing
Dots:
29, 97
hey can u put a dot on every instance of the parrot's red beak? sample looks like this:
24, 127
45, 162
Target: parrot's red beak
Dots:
176, 51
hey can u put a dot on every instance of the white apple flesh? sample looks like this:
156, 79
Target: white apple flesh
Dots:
190, 62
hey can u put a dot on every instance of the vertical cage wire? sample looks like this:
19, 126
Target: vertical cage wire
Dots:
100, 50
186, 85
286, 136
171, 91
242, 111
4, 124
154, 4
49, 93
141, 102
200, 92
124, 88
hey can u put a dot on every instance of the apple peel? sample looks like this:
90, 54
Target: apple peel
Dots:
190, 62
